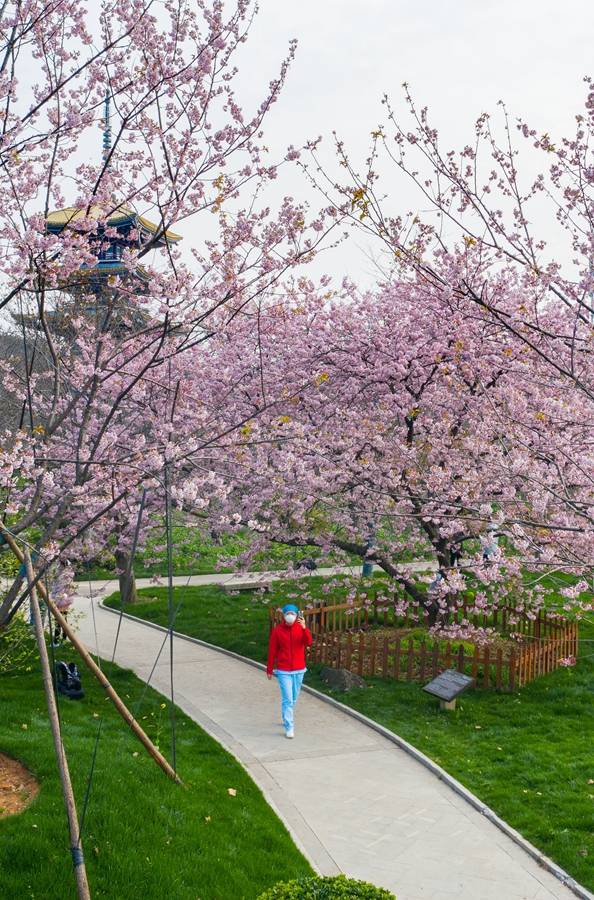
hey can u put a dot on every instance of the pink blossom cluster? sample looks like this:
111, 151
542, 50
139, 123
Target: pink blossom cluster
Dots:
464, 631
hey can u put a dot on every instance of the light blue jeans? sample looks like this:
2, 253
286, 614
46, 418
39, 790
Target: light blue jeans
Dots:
290, 685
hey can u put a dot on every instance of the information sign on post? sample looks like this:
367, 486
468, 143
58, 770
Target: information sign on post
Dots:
448, 686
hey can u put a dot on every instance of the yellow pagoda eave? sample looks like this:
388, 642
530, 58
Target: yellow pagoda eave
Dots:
62, 218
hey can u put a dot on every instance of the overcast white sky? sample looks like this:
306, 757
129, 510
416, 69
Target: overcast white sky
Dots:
459, 57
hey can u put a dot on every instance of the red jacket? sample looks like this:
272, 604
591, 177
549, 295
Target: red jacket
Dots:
286, 648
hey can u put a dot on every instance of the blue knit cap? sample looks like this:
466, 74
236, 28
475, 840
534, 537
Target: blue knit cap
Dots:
290, 607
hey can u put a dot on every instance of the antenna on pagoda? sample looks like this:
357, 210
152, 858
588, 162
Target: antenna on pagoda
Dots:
106, 127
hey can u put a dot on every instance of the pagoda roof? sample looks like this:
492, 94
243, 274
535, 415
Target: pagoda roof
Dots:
119, 216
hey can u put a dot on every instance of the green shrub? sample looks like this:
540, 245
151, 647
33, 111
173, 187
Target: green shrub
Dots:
9, 565
18, 650
335, 888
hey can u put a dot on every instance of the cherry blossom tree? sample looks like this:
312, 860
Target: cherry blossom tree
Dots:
419, 433
486, 214
516, 252
112, 381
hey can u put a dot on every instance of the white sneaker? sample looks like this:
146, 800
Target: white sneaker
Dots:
290, 733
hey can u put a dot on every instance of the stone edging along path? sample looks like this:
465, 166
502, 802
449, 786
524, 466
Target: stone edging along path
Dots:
563, 877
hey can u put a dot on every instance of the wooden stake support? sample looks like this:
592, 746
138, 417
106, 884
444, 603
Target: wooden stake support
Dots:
80, 872
99, 675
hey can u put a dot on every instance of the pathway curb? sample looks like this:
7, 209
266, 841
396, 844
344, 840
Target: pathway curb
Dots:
560, 874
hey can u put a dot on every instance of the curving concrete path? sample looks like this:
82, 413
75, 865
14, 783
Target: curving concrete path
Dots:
224, 578
353, 801
228, 579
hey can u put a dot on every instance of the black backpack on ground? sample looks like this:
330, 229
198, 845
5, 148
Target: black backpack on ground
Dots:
67, 680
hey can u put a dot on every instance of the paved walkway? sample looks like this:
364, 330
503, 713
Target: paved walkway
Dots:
353, 801
229, 579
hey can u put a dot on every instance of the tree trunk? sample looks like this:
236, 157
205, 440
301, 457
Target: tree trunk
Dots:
9, 600
127, 581
445, 563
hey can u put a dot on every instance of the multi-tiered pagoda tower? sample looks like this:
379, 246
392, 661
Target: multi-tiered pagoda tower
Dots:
120, 228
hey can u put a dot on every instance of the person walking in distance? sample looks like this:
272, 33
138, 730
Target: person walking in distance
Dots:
286, 660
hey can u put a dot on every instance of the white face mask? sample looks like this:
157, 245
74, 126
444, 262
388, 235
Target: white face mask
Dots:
290, 618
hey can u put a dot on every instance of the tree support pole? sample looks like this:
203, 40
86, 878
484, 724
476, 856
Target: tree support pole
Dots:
99, 675
80, 872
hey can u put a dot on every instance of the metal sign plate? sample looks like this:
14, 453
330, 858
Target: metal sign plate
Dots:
449, 684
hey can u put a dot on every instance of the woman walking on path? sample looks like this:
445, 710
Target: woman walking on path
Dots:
286, 659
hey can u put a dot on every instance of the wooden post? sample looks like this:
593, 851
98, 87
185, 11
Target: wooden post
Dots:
80, 872
410, 660
349, 652
448, 704
99, 675
397, 652
372, 655
423, 661
475, 662
498, 669
434, 660
511, 672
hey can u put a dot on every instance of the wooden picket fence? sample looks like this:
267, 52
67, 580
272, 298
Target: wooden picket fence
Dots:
544, 655
344, 638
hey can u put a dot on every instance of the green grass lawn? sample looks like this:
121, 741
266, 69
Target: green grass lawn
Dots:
238, 622
197, 554
528, 755
144, 837
194, 554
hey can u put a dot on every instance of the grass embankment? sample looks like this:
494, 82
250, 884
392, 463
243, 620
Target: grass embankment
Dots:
143, 835
528, 755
